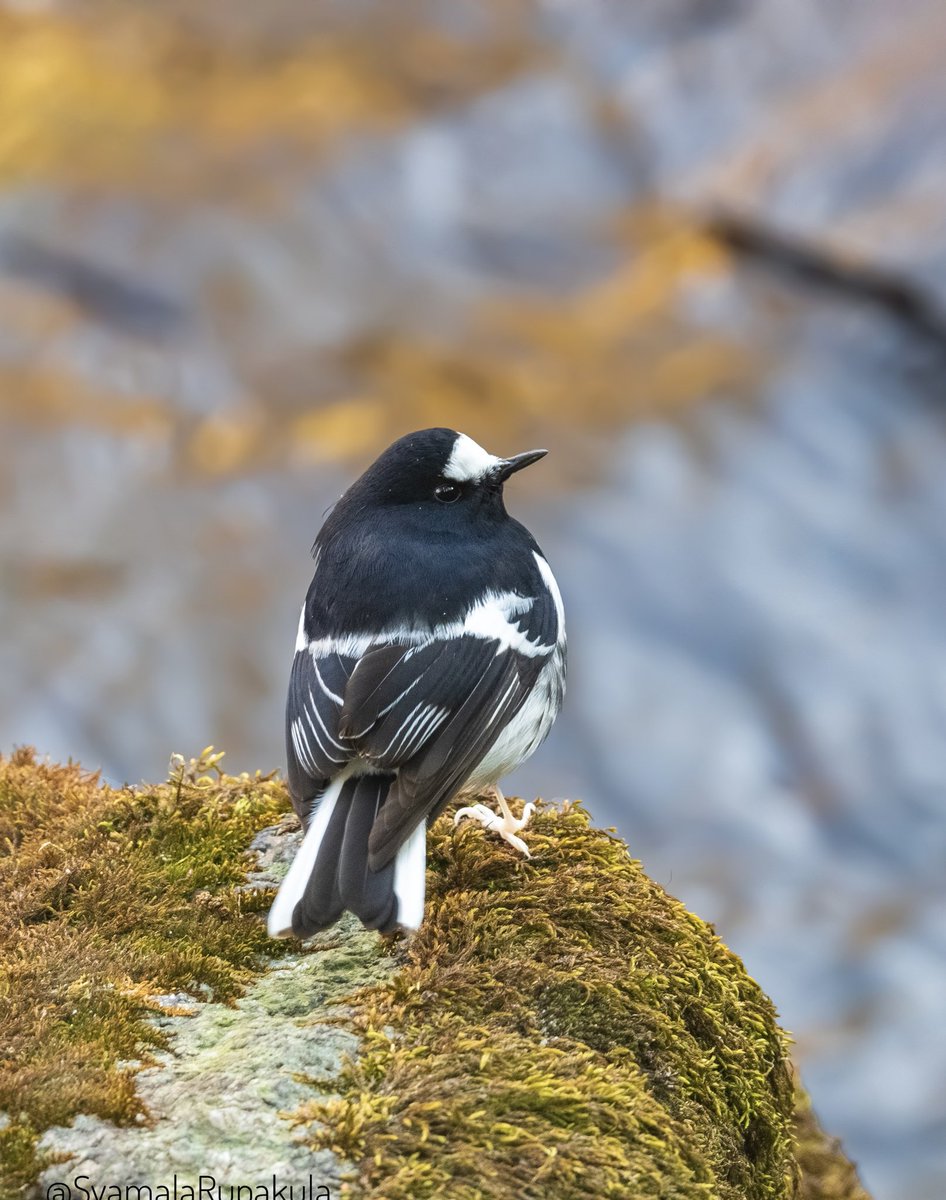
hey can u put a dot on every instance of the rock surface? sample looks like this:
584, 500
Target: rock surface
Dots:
218, 1101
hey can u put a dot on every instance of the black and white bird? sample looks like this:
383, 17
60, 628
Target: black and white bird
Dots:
430, 658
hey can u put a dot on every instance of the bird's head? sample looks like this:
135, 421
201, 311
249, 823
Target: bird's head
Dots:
439, 479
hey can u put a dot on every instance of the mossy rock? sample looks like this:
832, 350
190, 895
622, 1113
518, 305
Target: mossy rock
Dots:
112, 896
560, 1027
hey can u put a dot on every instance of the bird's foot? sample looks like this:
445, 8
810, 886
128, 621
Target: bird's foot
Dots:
503, 822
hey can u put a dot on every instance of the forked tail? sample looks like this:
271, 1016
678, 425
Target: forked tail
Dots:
330, 873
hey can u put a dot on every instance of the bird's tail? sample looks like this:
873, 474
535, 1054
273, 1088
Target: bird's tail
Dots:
330, 872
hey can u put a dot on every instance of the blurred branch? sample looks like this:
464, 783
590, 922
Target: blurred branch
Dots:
123, 303
891, 290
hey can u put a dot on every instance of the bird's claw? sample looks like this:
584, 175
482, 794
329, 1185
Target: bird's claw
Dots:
503, 822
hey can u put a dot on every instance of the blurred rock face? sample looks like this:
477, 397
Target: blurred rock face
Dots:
242, 251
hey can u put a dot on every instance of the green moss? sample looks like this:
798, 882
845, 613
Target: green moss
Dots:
113, 896
563, 1027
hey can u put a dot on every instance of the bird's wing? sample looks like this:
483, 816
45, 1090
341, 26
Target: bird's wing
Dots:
315, 750
435, 710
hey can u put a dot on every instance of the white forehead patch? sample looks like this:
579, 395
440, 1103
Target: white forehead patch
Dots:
468, 460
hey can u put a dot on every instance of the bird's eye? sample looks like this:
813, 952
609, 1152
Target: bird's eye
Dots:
447, 493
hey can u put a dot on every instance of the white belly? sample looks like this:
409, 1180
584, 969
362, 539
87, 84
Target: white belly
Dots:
528, 728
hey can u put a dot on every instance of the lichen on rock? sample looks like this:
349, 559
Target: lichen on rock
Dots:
216, 1099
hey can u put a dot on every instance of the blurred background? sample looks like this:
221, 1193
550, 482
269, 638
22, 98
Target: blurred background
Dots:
697, 248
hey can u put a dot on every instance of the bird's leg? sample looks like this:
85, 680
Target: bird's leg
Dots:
503, 822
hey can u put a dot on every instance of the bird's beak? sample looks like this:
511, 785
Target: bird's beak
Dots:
510, 466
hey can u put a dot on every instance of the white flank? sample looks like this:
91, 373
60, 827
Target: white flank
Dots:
279, 922
546, 572
528, 728
302, 642
410, 881
468, 460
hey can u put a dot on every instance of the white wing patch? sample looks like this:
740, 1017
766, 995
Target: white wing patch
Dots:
468, 460
355, 645
491, 618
